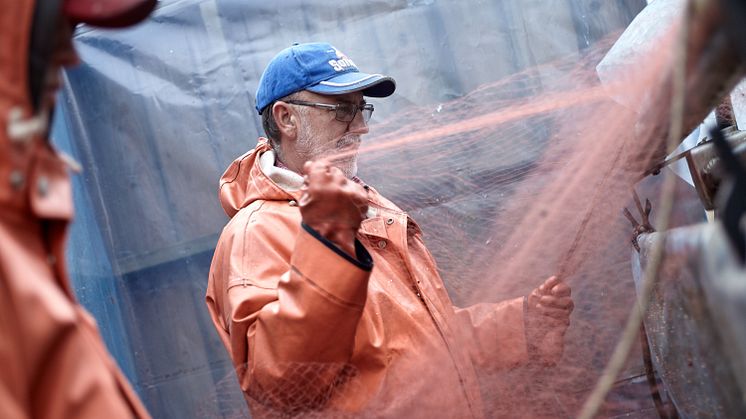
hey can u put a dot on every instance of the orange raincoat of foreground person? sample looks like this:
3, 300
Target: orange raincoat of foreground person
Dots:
54, 362
323, 291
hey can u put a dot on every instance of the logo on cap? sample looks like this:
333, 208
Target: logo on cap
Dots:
342, 62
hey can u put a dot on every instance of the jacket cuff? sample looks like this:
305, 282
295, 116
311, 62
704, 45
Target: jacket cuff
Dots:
513, 313
330, 269
364, 260
531, 350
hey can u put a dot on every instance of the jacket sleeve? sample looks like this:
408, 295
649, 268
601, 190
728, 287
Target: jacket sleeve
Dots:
497, 333
290, 310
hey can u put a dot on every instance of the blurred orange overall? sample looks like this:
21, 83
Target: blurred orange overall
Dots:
54, 362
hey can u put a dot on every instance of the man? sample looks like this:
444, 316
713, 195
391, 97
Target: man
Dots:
323, 291
55, 364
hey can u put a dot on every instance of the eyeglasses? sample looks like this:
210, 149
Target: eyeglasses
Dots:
344, 112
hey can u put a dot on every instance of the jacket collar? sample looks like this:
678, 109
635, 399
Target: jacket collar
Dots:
244, 181
279, 173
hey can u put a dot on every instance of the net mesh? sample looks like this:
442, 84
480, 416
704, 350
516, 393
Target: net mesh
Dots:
517, 181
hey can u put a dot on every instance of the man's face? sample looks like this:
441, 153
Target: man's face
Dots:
64, 55
320, 135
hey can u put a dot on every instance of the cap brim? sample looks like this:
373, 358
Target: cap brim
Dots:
373, 85
108, 13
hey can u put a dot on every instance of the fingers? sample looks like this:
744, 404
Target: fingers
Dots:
321, 176
318, 171
551, 305
558, 314
555, 286
358, 196
307, 168
561, 290
360, 199
564, 303
546, 287
548, 318
330, 202
552, 301
322, 171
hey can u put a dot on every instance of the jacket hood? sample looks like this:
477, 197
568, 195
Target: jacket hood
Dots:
254, 176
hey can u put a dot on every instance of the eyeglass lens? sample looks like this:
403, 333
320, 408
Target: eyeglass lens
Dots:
346, 111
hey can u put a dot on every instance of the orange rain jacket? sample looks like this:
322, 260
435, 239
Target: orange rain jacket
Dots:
54, 363
310, 328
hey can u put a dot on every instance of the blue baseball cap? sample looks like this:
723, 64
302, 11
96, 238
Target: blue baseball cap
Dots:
320, 68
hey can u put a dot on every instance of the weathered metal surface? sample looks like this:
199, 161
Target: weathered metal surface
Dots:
695, 321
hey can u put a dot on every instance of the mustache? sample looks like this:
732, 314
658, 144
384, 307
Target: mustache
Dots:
347, 147
348, 140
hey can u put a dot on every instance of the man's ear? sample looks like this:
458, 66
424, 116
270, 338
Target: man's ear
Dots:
286, 120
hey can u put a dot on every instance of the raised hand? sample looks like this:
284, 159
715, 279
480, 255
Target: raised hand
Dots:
331, 204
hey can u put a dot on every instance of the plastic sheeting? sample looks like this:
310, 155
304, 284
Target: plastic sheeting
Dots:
156, 113
695, 320
636, 43
639, 40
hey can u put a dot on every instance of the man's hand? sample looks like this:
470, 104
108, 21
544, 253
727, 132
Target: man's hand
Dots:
547, 319
331, 204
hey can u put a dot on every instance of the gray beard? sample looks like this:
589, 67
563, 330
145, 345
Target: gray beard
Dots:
307, 146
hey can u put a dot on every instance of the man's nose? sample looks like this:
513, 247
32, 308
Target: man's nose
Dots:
358, 124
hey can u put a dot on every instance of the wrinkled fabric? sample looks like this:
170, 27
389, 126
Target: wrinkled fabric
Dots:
311, 329
55, 364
